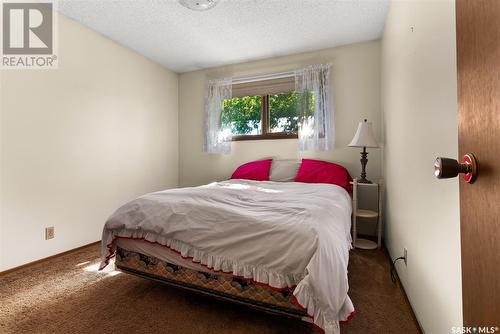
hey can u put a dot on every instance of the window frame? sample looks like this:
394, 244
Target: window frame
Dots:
266, 134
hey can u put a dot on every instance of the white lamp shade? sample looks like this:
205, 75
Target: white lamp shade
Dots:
364, 136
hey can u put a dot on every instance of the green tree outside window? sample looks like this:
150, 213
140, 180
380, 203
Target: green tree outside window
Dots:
243, 115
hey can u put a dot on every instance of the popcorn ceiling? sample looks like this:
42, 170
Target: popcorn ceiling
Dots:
234, 31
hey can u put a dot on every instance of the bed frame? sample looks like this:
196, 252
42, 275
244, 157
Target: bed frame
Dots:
221, 286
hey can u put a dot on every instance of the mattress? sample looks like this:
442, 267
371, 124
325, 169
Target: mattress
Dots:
160, 253
217, 285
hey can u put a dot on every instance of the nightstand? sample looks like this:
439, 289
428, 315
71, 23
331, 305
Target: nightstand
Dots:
367, 214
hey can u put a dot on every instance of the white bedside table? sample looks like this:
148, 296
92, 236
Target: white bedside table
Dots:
357, 212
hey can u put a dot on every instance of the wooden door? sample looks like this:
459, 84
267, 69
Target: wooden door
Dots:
478, 61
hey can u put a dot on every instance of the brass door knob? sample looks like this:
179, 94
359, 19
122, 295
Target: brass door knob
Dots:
445, 168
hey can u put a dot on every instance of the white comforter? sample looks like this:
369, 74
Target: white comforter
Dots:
282, 234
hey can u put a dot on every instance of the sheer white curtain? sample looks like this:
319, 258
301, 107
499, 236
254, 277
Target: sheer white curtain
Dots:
316, 130
217, 140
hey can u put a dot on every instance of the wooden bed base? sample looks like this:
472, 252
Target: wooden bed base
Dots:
221, 286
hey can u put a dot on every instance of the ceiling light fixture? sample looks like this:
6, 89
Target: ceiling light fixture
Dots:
199, 5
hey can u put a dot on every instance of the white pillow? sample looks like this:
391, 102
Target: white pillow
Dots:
284, 170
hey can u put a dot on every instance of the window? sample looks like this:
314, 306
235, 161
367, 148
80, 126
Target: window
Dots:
270, 109
243, 115
262, 110
283, 113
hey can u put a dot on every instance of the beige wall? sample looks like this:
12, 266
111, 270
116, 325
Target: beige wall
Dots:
356, 81
419, 106
79, 141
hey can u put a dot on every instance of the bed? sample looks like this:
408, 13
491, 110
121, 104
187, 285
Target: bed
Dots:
281, 247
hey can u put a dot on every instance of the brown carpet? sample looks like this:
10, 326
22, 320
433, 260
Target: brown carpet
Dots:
67, 295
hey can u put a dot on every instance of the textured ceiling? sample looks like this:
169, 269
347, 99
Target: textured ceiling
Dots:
234, 31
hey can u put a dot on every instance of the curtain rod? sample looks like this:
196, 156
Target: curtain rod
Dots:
280, 75
240, 80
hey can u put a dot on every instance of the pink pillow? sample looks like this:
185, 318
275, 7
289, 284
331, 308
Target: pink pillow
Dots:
317, 171
255, 170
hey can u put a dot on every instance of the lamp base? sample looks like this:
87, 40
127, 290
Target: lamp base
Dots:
364, 161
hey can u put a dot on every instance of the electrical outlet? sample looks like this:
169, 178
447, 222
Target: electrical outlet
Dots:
49, 233
406, 256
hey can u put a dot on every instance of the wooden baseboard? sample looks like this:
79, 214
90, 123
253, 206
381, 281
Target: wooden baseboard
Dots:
8, 271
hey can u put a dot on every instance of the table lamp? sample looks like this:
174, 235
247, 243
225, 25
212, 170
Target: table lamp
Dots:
364, 138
